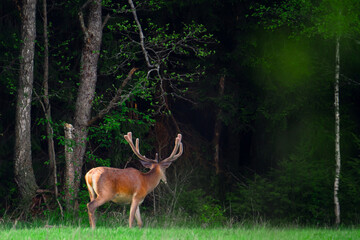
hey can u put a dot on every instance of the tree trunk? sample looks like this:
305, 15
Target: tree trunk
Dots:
337, 133
69, 166
86, 91
47, 106
24, 173
218, 129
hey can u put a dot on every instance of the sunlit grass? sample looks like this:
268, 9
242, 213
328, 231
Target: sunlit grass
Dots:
65, 232
169, 228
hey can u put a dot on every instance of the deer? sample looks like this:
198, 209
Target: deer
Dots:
129, 185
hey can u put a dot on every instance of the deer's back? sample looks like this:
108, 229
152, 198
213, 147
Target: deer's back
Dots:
118, 185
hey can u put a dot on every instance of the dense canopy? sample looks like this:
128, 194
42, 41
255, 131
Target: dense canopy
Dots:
250, 85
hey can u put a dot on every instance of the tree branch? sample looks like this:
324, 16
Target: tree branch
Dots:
82, 24
85, 5
105, 20
115, 99
81, 18
142, 37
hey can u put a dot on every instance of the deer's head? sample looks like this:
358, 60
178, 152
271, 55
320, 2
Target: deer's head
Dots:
155, 163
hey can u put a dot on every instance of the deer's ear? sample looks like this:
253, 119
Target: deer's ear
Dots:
165, 164
146, 164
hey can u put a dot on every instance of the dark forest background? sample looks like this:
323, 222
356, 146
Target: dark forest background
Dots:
275, 115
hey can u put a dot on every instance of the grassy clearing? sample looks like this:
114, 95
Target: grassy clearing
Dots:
63, 232
114, 226
148, 233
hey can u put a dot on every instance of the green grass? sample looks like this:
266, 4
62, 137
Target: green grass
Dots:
65, 232
114, 226
166, 229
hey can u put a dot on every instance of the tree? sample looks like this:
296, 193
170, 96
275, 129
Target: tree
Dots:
217, 129
24, 173
332, 19
88, 76
337, 133
47, 106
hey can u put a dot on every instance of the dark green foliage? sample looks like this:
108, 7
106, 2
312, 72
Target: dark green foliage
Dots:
297, 193
191, 201
276, 145
299, 188
108, 137
350, 180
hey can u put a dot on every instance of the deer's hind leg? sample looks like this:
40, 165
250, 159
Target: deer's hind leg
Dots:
89, 184
92, 206
138, 217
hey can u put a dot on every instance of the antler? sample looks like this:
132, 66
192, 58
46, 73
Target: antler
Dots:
136, 150
175, 154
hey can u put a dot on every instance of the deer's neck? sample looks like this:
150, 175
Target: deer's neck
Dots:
153, 177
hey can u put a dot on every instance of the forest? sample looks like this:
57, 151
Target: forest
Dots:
265, 95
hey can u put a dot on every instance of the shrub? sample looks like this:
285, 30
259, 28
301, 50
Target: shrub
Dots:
299, 190
211, 212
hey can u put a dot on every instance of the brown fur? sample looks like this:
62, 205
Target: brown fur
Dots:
123, 186
128, 185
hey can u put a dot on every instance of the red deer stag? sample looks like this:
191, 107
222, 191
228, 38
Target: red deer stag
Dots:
128, 185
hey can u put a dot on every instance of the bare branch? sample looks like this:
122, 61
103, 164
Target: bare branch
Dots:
81, 18
82, 24
105, 20
115, 99
85, 5
142, 37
